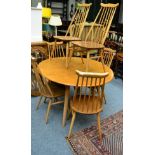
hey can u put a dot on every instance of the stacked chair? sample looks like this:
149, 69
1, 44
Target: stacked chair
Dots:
100, 27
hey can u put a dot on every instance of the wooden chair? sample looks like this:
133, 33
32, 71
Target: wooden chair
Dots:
119, 65
56, 49
78, 20
84, 100
99, 28
75, 28
103, 22
48, 90
38, 53
107, 56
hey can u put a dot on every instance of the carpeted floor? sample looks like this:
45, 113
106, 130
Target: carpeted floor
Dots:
50, 139
86, 141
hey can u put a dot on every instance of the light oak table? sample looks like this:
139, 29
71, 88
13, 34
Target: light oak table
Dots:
55, 70
88, 45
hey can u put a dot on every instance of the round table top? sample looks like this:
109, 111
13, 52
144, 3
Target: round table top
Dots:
55, 70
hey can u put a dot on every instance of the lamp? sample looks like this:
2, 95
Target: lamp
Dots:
55, 20
46, 12
39, 6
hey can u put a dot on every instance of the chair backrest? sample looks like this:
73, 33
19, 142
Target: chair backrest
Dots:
86, 81
102, 23
57, 50
42, 82
78, 20
108, 55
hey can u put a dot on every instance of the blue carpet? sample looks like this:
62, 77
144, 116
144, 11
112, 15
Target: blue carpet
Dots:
50, 139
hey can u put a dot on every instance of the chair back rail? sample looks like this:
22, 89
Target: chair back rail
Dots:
85, 90
57, 50
102, 22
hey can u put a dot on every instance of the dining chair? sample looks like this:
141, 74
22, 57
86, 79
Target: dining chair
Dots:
118, 68
103, 22
84, 100
75, 28
106, 56
48, 89
56, 49
38, 53
78, 20
98, 31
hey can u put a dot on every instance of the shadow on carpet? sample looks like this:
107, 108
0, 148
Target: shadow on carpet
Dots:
86, 141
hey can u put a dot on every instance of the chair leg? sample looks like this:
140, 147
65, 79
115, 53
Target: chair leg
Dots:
81, 58
45, 99
72, 123
104, 99
39, 102
47, 112
99, 126
69, 112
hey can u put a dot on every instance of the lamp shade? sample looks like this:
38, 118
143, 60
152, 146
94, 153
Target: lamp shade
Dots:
55, 20
46, 12
39, 6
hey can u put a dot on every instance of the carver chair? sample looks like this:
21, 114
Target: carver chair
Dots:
84, 100
98, 31
78, 20
75, 28
48, 90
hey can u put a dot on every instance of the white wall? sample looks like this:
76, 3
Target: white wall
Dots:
36, 24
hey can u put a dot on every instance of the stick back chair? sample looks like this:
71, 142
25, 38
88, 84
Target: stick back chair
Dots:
86, 101
103, 22
56, 49
78, 20
100, 27
48, 90
38, 53
107, 55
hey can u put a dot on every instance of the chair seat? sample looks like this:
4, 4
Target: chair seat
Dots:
86, 106
57, 90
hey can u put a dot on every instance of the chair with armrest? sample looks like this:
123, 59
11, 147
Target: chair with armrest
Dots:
75, 28
84, 100
78, 20
98, 31
48, 89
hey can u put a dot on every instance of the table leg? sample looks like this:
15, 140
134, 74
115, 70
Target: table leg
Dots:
67, 92
87, 63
